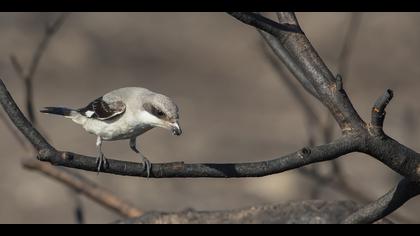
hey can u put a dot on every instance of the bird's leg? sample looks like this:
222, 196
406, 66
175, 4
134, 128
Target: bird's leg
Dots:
101, 157
146, 163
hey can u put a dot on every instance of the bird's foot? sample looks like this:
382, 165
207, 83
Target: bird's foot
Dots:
147, 165
101, 161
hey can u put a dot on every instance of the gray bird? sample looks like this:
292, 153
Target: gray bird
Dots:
124, 113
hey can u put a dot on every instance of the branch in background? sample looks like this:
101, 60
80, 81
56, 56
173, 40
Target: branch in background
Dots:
312, 120
349, 39
78, 207
395, 198
282, 54
85, 186
303, 212
335, 184
28, 77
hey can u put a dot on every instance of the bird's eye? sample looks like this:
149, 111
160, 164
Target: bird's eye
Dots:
159, 113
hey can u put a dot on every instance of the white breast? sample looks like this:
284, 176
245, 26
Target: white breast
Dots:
125, 127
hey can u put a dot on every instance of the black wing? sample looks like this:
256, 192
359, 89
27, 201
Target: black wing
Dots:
103, 110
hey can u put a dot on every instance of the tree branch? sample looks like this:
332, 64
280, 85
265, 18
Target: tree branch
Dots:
349, 40
85, 186
20, 121
28, 77
312, 120
316, 72
378, 110
385, 205
46, 152
283, 55
12, 130
302, 212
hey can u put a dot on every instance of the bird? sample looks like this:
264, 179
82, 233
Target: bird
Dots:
121, 114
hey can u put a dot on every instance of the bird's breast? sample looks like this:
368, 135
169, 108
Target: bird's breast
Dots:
119, 129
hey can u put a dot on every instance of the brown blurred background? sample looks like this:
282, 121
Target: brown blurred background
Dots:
234, 107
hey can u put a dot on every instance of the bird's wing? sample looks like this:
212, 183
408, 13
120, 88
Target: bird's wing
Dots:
104, 108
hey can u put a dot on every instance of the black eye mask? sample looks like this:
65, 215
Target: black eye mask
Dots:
154, 110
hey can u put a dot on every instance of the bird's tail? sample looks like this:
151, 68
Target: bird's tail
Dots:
62, 111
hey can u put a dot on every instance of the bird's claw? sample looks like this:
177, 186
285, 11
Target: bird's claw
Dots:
147, 165
101, 161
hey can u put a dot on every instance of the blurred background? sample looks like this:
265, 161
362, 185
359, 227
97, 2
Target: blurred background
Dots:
234, 107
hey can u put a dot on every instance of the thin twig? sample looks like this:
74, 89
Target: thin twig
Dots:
349, 40
85, 186
28, 77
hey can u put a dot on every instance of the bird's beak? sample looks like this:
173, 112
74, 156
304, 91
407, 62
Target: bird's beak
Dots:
176, 130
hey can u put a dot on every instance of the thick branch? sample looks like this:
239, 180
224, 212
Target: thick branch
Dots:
85, 186
20, 121
316, 72
14, 132
283, 55
313, 122
305, 212
335, 149
385, 205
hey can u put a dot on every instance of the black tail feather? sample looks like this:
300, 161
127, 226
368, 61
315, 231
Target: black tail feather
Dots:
62, 111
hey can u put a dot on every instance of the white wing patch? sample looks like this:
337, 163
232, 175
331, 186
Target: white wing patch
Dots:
89, 113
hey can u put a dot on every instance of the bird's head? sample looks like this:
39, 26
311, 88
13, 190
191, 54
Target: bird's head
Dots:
161, 111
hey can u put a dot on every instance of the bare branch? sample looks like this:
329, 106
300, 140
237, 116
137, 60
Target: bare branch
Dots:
385, 205
378, 110
17, 66
50, 31
281, 53
85, 186
349, 40
316, 72
28, 77
19, 120
78, 207
304, 212
13, 131
311, 118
